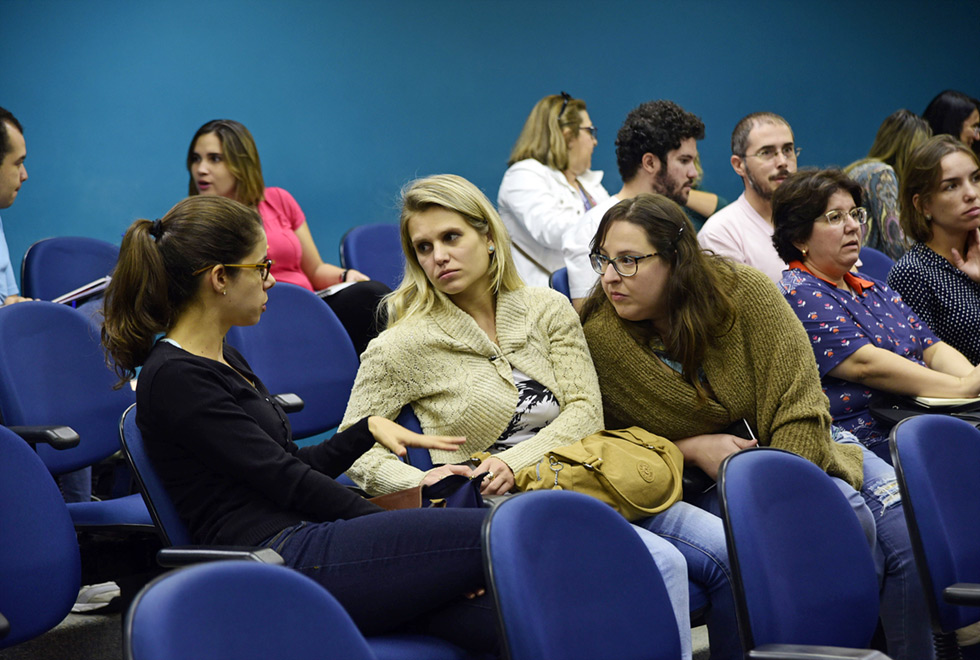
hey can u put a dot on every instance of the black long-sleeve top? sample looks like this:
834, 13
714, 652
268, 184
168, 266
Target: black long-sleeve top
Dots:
224, 451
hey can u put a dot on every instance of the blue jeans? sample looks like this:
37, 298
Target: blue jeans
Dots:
904, 616
700, 538
76, 486
404, 571
673, 569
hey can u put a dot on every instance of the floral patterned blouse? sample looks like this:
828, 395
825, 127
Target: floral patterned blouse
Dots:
839, 323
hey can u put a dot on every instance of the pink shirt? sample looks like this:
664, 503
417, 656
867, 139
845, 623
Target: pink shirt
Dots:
740, 233
282, 216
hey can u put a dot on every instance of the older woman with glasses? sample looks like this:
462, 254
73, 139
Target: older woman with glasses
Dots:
867, 342
939, 278
549, 184
706, 352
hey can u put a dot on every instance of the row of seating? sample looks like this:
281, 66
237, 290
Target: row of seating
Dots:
570, 578
54, 266
68, 339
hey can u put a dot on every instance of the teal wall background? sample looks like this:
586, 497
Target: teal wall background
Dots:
349, 100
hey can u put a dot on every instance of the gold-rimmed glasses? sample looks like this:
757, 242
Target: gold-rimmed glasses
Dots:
264, 267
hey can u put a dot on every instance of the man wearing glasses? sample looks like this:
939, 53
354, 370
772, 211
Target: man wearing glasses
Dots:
13, 152
656, 148
763, 154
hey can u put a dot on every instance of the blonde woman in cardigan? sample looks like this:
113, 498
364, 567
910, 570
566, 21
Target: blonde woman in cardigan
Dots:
688, 344
478, 354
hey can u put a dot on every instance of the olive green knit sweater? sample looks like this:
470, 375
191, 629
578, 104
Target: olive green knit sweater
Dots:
763, 370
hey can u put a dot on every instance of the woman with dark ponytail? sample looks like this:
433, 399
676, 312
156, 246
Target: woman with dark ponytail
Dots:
223, 446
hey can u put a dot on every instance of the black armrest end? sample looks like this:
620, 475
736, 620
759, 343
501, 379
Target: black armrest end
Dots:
195, 554
291, 403
59, 437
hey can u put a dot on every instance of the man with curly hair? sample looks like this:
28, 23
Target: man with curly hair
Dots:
656, 150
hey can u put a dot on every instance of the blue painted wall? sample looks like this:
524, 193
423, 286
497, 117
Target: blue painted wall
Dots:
349, 100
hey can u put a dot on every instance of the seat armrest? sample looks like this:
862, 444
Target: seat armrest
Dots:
962, 593
59, 437
183, 555
809, 652
291, 403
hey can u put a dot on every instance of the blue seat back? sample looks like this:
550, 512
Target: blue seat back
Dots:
936, 459
171, 528
573, 581
803, 569
243, 610
55, 266
559, 282
53, 371
40, 569
416, 456
376, 251
875, 263
300, 347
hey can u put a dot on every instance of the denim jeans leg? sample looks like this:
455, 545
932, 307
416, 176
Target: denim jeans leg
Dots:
401, 570
673, 569
904, 616
76, 486
700, 537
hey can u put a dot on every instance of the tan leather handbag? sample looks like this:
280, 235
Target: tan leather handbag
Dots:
634, 471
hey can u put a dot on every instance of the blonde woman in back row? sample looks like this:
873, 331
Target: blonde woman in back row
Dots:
549, 184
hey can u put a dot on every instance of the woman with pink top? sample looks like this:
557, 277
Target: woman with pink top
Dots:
223, 160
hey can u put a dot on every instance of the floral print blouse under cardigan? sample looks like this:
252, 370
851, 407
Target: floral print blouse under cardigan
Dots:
839, 323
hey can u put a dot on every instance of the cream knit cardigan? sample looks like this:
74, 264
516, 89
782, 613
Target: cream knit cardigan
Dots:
461, 383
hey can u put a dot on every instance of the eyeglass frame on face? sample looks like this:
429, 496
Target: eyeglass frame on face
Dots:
264, 267
788, 152
593, 131
600, 262
835, 217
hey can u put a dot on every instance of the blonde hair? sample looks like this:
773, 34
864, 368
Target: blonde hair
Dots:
899, 135
544, 137
415, 294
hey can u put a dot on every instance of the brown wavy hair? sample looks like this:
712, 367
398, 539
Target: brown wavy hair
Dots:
699, 308
241, 155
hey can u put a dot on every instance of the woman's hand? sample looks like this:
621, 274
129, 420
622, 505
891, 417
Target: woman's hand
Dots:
437, 473
970, 263
709, 450
351, 275
396, 437
500, 478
